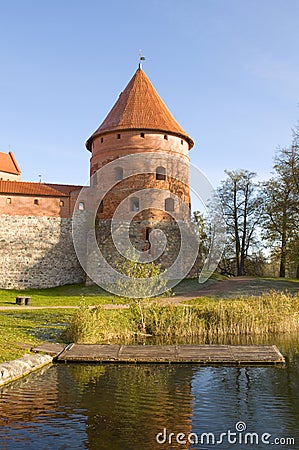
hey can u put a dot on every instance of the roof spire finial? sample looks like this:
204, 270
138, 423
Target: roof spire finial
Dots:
141, 58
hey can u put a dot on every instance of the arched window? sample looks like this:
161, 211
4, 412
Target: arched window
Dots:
61, 203
81, 206
160, 173
119, 173
36, 202
169, 204
134, 204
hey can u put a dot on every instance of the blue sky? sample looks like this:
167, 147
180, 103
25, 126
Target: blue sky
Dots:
227, 69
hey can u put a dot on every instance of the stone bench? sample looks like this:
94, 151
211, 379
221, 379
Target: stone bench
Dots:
23, 300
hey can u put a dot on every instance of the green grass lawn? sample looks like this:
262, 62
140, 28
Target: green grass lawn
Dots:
69, 295
20, 330
73, 294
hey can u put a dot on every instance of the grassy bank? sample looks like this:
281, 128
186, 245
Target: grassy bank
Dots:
200, 318
19, 331
207, 318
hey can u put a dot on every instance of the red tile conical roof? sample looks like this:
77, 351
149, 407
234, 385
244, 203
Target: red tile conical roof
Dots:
140, 107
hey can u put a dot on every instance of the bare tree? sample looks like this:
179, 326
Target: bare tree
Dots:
242, 206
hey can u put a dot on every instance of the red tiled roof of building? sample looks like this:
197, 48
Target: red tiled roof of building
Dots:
8, 164
26, 188
140, 107
64, 188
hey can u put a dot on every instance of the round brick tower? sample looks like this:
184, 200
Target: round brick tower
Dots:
140, 125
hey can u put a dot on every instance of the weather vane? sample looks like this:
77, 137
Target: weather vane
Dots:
141, 58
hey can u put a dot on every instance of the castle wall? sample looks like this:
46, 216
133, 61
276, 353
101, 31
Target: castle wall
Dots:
37, 252
30, 205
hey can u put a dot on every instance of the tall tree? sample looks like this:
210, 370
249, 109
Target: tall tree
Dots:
281, 212
242, 210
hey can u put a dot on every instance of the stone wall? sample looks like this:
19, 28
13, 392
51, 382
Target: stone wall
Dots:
37, 252
138, 233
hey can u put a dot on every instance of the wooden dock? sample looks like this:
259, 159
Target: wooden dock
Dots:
169, 354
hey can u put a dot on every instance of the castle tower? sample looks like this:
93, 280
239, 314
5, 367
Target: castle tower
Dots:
140, 122
140, 125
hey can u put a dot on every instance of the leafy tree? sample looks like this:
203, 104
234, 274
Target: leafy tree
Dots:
242, 208
142, 281
281, 212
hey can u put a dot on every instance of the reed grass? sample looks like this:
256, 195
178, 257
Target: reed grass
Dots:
270, 313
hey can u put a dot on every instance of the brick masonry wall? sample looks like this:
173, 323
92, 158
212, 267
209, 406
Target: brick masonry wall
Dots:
37, 252
12, 204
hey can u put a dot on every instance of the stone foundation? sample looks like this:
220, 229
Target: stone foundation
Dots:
137, 233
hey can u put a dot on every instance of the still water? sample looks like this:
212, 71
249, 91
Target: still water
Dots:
125, 407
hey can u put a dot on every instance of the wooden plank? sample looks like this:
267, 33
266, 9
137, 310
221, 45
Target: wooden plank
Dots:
200, 354
51, 348
148, 353
89, 353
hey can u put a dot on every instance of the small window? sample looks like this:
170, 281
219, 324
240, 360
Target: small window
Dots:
102, 140
118, 136
160, 173
101, 207
147, 233
36, 201
81, 206
61, 203
119, 173
169, 204
8, 201
182, 142
189, 205
166, 137
134, 204
142, 135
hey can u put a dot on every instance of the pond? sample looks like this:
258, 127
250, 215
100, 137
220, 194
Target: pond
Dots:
149, 407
